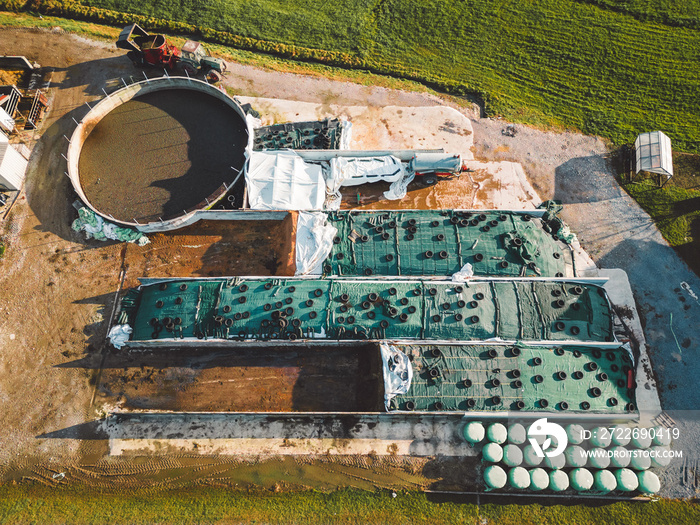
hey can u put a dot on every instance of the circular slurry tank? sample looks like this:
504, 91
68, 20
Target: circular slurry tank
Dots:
152, 153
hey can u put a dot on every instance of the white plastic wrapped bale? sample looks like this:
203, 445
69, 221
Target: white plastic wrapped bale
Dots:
619, 457
558, 480
555, 462
575, 456
530, 456
495, 477
581, 479
661, 436
517, 434
492, 452
604, 481
648, 482
539, 480
474, 432
641, 438
660, 457
283, 181
575, 434
519, 478
626, 480
600, 437
640, 461
497, 433
314, 241
620, 435
398, 373
599, 458
512, 455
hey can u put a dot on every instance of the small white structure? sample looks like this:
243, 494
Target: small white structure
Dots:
12, 166
653, 153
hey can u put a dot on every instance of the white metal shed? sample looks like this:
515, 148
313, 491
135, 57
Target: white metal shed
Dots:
653, 153
12, 165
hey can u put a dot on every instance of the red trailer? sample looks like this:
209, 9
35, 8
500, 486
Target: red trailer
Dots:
145, 49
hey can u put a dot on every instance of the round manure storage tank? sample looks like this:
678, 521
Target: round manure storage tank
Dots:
539, 479
152, 153
495, 477
604, 481
474, 432
519, 478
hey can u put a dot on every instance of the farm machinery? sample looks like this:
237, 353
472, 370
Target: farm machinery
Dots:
147, 50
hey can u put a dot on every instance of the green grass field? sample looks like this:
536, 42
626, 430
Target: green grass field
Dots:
31, 504
563, 63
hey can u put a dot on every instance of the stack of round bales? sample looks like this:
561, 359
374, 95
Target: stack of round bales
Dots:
597, 460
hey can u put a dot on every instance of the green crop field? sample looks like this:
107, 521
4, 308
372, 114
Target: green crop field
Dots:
28, 504
607, 67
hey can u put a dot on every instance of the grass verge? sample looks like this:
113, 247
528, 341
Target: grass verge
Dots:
27, 504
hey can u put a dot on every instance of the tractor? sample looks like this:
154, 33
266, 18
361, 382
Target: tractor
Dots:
146, 50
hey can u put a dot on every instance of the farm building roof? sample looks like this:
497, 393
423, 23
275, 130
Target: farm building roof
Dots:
264, 308
497, 243
505, 377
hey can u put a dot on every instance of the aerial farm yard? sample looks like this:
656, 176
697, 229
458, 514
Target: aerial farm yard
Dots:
83, 415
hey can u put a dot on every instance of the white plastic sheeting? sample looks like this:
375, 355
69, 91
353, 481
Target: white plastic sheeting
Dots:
467, 272
398, 189
283, 181
346, 134
119, 335
353, 171
398, 372
314, 241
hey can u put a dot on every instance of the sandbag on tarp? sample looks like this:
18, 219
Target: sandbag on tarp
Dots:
96, 227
